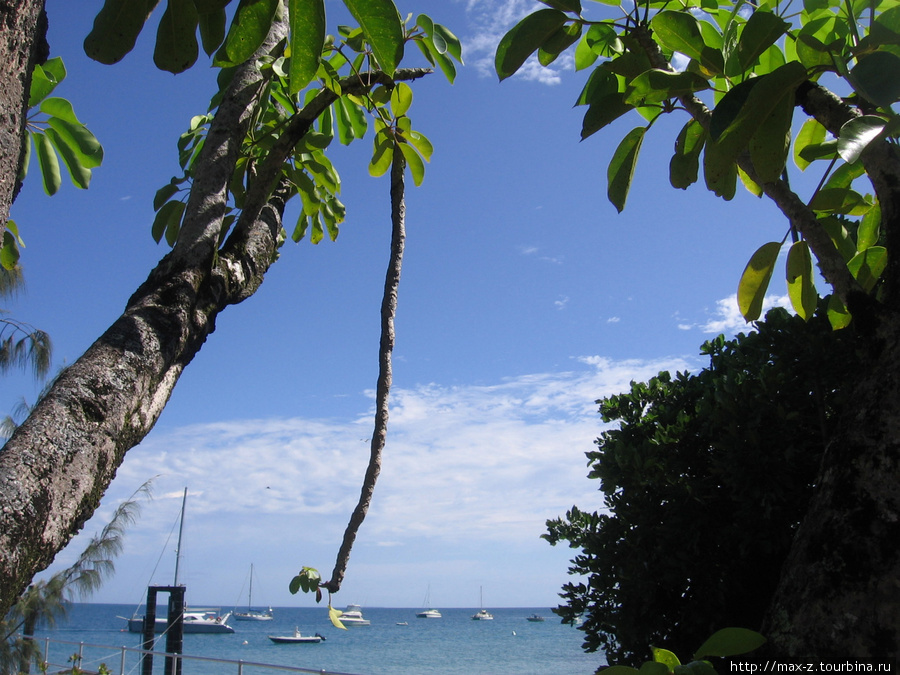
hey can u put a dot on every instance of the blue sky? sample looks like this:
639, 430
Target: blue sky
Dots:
524, 298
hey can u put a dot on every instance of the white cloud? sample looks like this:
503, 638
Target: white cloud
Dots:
470, 474
489, 21
562, 302
727, 318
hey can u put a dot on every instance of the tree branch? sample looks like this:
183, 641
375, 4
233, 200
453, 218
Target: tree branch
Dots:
388, 312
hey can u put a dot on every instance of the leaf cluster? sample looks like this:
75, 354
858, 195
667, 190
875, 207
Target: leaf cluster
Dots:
57, 137
705, 478
739, 69
308, 172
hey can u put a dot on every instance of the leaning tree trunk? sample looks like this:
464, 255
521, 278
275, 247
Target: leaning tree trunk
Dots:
58, 463
22, 43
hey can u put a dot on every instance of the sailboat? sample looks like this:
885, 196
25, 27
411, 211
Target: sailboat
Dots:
482, 614
196, 621
428, 613
251, 614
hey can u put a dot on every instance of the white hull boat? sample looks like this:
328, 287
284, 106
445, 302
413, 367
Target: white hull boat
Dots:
352, 616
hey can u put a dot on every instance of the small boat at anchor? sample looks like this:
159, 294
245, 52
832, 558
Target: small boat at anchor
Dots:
535, 618
253, 614
296, 638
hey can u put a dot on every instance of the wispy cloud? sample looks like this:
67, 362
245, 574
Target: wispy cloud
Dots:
470, 473
489, 20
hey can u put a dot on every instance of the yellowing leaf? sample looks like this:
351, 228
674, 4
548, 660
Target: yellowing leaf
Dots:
755, 280
801, 287
335, 616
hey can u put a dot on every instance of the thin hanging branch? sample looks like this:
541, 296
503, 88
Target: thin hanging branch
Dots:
388, 312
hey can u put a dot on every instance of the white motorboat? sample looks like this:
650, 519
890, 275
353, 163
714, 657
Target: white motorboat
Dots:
482, 614
253, 614
352, 616
296, 638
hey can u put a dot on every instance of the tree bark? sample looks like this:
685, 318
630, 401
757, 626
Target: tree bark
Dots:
22, 43
57, 465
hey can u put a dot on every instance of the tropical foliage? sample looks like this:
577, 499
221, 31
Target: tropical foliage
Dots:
705, 478
740, 69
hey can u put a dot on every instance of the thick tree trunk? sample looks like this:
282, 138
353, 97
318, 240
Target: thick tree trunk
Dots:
21, 45
57, 465
839, 596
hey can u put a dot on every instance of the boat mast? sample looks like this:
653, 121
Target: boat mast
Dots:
180, 532
250, 594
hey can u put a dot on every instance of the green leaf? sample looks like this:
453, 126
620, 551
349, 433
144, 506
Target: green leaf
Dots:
116, 28
168, 222
800, 283
656, 86
761, 100
770, 145
685, 163
401, 99
751, 292
524, 39
9, 251
867, 266
811, 134
760, 32
44, 80
560, 41
307, 41
249, 28
382, 155
838, 314
80, 174
875, 78
869, 229
665, 657
82, 141
212, 28
295, 585
48, 162
414, 162
176, 39
719, 170
163, 195
383, 28
731, 641
680, 32
856, 135
421, 143
621, 167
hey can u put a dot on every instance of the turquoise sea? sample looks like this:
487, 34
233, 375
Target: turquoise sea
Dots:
452, 645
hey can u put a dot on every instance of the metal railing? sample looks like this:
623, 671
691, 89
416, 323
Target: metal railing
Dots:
79, 661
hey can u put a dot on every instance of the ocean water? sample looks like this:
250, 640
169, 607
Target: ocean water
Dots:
452, 645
